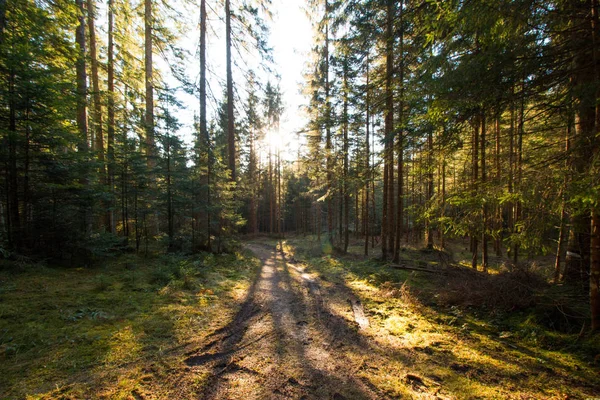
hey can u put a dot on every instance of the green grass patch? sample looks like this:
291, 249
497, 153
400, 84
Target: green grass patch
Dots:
79, 332
453, 331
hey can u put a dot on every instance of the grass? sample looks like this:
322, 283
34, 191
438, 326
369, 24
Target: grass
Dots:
484, 349
102, 332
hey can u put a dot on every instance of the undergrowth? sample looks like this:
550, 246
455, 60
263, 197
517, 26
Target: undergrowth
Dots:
88, 332
503, 334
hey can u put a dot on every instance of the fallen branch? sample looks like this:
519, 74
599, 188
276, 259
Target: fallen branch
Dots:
406, 267
359, 313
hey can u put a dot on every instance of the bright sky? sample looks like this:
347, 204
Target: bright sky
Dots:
291, 38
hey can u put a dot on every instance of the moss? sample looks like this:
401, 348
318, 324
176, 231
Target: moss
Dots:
65, 331
470, 351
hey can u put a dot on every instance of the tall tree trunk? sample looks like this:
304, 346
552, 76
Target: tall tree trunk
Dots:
400, 143
14, 219
595, 228
475, 184
443, 204
230, 116
149, 81
170, 227
271, 196
279, 209
252, 215
82, 125
372, 172
498, 218
110, 131
519, 168
204, 134
98, 144
428, 230
511, 168
563, 210
387, 220
328, 148
367, 163
345, 150
484, 213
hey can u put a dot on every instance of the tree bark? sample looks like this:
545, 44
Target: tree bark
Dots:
345, 149
484, 237
82, 126
204, 134
230, 117
400, 143
110, 131
475, 184
498, 217
149, 81
98, 144
428, 230
367, 163
328, 147
387, 221
595, 228
563, 211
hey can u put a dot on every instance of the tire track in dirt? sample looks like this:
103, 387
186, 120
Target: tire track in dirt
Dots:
280, 344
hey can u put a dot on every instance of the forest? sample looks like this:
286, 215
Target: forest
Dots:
430, 229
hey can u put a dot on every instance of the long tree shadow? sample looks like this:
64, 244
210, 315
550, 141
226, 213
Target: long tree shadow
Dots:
322, 374
499, 363
288, 340
273, 295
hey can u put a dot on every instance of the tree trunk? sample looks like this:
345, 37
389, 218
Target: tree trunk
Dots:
388, 215
97, 114
98, 145
82, 125
345, 150
204, 134
230, 120
149, 81
14, 219
519, 167
484, 213
110, 131
328, 149
368, 165
271, 196
428, 231
498, 218
595, 228
563, 211
400, 144
475, 185
443, 204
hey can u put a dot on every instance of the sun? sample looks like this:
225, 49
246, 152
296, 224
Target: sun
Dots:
275, 141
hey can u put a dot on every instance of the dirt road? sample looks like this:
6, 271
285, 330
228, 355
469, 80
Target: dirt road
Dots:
286, 342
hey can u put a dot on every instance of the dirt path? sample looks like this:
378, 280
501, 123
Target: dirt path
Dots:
284, 342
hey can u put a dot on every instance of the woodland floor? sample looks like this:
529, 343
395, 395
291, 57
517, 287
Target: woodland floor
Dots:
301, 324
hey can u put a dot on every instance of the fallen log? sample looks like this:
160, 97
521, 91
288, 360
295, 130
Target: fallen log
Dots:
406, 267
